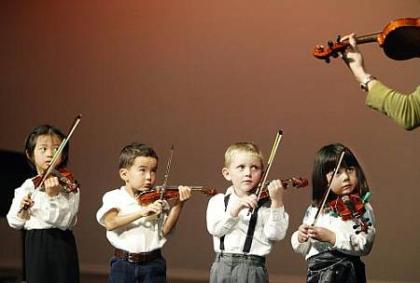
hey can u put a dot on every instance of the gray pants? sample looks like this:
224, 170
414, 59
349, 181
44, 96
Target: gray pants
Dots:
238, 268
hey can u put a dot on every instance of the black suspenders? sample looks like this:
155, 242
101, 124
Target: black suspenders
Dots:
251, 226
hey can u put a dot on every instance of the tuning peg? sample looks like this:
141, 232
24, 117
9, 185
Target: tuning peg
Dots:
338, 38
330, 44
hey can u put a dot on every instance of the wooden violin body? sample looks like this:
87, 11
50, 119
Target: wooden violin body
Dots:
400, 40
65, 179
169, 193
351, 207
294, 182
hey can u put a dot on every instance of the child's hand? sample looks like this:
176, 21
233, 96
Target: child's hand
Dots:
25, 204
276, 190
52, 186
153, 208
249, 201
184, 193
303, 233
321, 234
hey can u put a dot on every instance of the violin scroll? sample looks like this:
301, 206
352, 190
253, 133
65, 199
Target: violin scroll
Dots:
295, 182
333, 50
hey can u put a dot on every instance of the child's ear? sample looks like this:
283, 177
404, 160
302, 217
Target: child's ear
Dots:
226, 174
124, 174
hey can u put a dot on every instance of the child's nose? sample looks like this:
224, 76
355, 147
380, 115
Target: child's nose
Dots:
50, 152
148, 175
345, 175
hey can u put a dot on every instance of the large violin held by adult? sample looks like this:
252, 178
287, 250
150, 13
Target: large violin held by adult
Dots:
400, 40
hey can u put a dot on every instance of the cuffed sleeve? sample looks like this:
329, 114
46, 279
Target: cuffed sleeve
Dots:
301, 248
357, 244
219, 222
277, 223
404, 109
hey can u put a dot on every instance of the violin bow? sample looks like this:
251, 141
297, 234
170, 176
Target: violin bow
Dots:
166, 176
337, 167
56, 155
263, 181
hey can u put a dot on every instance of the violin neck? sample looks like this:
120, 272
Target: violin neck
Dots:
367, 38
173, 188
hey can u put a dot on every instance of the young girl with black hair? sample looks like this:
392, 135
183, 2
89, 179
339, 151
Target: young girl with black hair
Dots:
345, 229
48, 213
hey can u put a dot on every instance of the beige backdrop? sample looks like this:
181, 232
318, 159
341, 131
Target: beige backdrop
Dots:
201, 75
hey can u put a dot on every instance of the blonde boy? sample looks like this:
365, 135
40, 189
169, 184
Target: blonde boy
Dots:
240, 241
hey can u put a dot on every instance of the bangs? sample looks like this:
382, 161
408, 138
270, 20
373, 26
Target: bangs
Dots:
331, 161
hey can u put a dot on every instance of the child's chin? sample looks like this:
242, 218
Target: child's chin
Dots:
247, 188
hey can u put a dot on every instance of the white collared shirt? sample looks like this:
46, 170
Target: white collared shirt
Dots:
47, 212
347, 240
141, 235
271, 226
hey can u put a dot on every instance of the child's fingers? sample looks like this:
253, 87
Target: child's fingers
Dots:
303, 228
51, 182
252, 203
302, 237
184, 193
273, 185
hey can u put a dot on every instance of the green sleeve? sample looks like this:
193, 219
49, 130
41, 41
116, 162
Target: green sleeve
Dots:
403, 109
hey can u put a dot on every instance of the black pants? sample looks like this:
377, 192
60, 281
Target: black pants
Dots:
51, 256
335, 267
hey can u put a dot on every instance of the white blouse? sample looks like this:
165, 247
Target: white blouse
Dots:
47, 212
141, 235
347, 240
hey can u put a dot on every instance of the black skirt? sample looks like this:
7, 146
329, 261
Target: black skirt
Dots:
51, 256
335, 267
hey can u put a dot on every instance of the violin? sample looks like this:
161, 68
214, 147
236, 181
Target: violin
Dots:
169, 193
295, 182
351, 207
400, 40
65, 179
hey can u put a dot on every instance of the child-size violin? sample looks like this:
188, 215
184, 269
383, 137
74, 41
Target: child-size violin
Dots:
65, 179
351, 207
294, 182
169, 193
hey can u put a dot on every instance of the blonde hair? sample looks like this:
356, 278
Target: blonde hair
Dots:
247, 147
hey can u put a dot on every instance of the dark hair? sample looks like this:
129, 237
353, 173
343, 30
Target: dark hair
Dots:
42, 130
130, 152
325, 162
